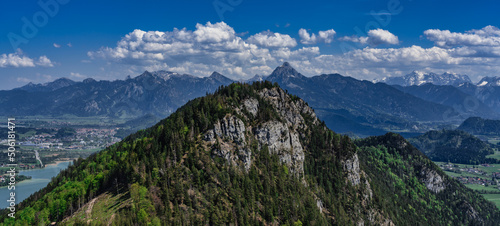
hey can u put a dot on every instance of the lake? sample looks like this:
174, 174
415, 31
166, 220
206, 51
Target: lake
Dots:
39, 179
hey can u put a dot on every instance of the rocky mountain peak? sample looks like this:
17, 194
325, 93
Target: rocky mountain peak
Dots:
281, 135
217, 75
89, 80
48, 86
489, 81
256, 78
220, 78
286, 64
285, 71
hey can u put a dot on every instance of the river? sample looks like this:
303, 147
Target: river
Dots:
39, 179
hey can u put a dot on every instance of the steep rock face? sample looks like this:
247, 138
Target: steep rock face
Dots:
432, 180
291, 111
355, 176
283, 142
281, 137
351, 166
231, 127
229, 134
251, 105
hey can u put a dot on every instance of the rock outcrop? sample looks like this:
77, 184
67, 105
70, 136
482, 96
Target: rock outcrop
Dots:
432, 180
284, 142
230, 137
351, 167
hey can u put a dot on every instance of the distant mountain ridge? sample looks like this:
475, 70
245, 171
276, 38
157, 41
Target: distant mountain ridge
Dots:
489, 81
364, 107
419, 78
480, 126
464, 103
158, 93
346, 104
257, 78
49, 86
487, 94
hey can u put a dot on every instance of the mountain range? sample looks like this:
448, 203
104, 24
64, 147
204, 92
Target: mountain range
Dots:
159, 93
359, 104
462, 102
419, 78
47, 87
458, 91
489, 81
347, 105
248, 155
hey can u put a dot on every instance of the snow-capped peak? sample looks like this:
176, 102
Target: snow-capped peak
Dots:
419, 78
489, 81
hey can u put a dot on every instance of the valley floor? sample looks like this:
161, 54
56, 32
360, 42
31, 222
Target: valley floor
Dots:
484, 178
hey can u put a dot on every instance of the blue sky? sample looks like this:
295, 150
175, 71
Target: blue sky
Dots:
240, 38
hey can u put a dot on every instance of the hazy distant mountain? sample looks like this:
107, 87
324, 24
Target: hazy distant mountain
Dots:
489, 81
257, 78
158, 93
362, 103
419, 78
488, 94
465, 104
344, 103
49, 86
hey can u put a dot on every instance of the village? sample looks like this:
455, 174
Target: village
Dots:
473, 174
35, 150
84, 138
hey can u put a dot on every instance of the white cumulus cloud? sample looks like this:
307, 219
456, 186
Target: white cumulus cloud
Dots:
44, 61
217, 32
375, 37
488, 36
272, 40
322, 36
484, 42
379, 36
218, 47
18, 59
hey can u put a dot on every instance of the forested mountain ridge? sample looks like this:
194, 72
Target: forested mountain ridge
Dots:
404, 176
476, 125
254, 154
454, 146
